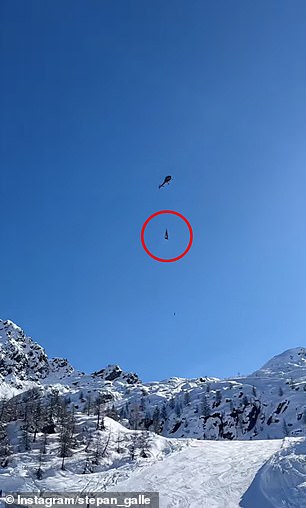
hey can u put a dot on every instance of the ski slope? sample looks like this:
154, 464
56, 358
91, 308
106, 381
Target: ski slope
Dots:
220, 475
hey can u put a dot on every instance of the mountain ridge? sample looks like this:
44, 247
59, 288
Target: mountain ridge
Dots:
293, 359
266, 404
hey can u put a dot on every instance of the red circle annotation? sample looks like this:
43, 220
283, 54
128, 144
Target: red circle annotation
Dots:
171, 260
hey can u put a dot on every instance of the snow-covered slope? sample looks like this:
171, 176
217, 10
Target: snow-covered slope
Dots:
113, 465
291, 363
206, 474
258, 474
280, 482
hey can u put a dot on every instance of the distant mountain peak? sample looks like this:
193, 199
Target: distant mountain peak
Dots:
114, 372
290, 363
22, 359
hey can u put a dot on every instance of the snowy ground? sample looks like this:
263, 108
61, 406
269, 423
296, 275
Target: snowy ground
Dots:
228, 475
188, 473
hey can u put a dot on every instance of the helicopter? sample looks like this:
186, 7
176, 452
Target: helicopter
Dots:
166, 180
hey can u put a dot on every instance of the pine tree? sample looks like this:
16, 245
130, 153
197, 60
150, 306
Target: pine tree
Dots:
172, 403
156, 420
163, 412
218, 397
205, 407
142, 404
187, 398
5, 448
178, 409
134, 417
88, 405
122, 414
245, 400
55, 404
147, 420
66, 435
112, 413
25, 437
3, 409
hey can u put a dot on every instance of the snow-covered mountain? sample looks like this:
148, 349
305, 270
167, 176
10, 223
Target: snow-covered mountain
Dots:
270, 403
290, 364
118, 429
22, 359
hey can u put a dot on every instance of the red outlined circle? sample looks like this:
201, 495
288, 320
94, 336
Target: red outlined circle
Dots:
162, 260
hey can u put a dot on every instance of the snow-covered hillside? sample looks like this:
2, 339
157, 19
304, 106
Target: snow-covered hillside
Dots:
201, 442
258, 474
268, 404
207, 474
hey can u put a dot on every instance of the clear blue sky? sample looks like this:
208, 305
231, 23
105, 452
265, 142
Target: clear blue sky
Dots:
99, 101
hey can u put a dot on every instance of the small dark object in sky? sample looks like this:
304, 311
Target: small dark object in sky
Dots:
166, 180
166, 235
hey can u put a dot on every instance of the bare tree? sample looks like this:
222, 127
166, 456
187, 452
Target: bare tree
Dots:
36, 419
133, 445
66, 435
44, 445
119, 441
88, 404
97, 452
104, 450
25, 429
87, 466
39, 472
144, 444
100, 413
88, 439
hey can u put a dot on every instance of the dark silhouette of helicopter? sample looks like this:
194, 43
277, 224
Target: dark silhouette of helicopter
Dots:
166, 180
